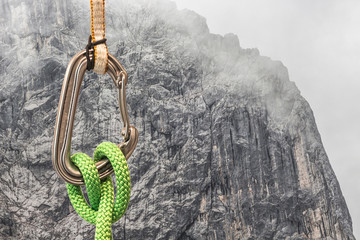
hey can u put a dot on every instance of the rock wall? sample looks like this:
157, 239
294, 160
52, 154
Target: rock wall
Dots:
228, 148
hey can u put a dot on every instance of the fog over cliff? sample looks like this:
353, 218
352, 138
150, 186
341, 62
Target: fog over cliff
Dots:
228, 148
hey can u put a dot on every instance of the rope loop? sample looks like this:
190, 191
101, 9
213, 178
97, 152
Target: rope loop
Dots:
102, 211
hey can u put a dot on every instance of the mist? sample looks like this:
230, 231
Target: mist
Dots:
318, 41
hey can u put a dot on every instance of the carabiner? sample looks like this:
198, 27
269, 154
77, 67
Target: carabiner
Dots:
61, 149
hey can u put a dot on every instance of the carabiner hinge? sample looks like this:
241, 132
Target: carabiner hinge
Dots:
128, 147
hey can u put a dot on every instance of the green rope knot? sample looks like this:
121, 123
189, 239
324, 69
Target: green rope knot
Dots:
103, 210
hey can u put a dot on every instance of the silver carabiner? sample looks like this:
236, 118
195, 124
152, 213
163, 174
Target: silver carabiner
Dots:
61, 149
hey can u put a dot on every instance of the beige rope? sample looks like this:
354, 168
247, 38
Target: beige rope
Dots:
98, 33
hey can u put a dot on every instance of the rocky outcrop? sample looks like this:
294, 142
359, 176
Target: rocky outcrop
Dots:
228, 148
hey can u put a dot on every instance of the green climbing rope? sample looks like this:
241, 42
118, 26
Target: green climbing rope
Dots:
103, 210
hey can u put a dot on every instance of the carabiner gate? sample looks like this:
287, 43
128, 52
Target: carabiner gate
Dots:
61, 149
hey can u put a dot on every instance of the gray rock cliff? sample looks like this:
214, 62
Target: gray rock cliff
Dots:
228, 148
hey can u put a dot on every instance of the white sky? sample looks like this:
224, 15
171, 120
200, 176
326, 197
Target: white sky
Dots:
319, 42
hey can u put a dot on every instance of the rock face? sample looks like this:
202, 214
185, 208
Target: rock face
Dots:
228, 148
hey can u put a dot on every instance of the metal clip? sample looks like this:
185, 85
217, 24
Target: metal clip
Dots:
61, 149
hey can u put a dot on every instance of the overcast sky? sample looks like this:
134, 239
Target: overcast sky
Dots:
319, 42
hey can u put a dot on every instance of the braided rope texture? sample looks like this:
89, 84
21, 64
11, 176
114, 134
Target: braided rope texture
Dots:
103, 210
